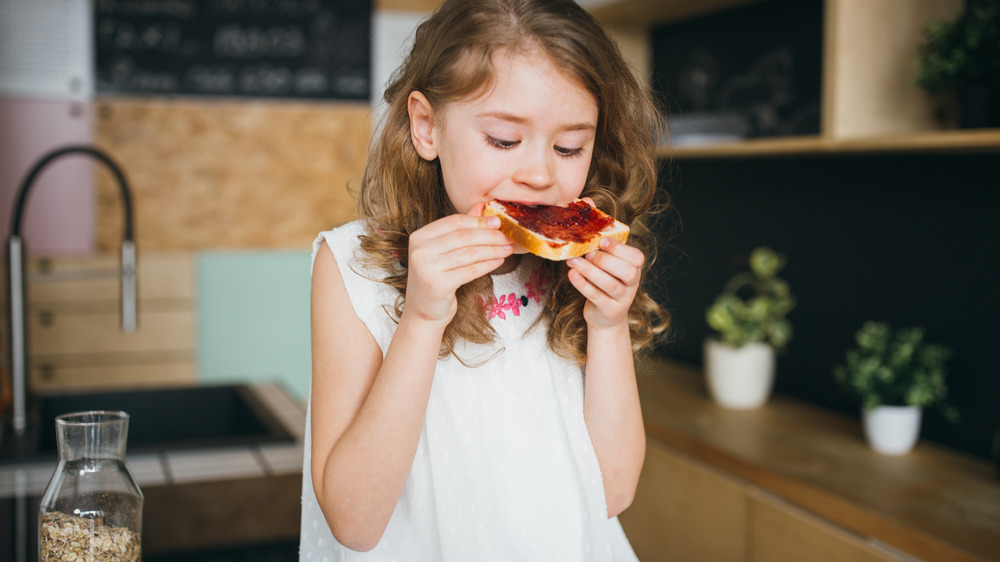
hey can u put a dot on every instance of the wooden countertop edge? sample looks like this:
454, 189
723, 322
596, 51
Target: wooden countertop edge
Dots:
832, 506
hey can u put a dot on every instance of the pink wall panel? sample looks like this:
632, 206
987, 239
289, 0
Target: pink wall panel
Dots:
59, 217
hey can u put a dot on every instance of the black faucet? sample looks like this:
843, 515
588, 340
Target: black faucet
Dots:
16, 281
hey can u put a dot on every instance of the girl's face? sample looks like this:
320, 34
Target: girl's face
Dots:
528, 139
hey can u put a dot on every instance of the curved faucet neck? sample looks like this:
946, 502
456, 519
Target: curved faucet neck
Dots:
29, 180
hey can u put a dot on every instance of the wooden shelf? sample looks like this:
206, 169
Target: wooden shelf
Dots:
932, 504
612, 12
423, 6
657, 12
868, 104
965, 141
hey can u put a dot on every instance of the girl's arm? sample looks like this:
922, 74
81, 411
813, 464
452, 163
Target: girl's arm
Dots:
368, 412
609, 278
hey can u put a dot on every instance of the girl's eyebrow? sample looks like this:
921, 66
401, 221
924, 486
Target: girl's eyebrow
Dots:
510, 117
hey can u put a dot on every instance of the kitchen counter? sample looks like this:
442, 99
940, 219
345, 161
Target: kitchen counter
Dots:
932, 504
200, 498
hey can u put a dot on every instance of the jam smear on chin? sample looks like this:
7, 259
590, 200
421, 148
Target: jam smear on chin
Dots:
577, 222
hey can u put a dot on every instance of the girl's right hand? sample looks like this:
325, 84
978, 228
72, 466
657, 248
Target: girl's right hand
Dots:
446, 254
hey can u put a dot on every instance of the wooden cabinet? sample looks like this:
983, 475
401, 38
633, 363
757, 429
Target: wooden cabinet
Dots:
684, 510
74, 325
870, 102
791, 481
687, 510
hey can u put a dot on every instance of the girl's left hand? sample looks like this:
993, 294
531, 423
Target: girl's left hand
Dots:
609, 279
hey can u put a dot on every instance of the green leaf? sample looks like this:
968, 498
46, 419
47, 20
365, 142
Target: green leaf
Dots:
779, 333
962, 50
754, 304
765, 262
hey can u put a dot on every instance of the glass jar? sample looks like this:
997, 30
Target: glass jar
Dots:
92, 507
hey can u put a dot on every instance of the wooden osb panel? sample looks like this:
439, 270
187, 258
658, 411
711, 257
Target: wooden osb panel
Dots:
230, 174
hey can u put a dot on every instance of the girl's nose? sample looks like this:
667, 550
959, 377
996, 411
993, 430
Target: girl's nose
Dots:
536, 170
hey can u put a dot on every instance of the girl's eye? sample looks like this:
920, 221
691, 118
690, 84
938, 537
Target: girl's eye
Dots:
568, 152
501, 144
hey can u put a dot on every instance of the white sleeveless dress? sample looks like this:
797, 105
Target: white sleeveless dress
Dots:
505, 469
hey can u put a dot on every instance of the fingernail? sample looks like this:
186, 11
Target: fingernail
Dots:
493, 222
573, 262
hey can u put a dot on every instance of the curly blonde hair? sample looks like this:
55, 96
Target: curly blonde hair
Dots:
452, 59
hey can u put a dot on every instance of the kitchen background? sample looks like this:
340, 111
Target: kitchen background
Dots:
231, 185
241, 184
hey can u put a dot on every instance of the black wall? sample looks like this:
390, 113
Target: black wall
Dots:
907, 239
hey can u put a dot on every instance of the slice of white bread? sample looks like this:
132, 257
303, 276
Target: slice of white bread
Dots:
557, 249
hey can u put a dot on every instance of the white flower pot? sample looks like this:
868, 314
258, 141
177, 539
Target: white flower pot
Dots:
739, 379
892, 430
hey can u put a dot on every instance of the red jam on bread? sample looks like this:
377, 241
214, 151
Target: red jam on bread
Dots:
556, 233
577, 222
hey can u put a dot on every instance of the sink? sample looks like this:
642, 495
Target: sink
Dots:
188, 419
165, 419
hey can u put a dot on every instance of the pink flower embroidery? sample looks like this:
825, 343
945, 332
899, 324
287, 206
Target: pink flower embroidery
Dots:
495, 308
536, 287
514, 304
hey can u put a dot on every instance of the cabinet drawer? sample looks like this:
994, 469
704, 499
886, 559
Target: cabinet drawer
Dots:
94, 279
55, 332
684, 510
155, 370
783, 533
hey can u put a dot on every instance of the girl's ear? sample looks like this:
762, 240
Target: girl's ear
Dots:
422, 125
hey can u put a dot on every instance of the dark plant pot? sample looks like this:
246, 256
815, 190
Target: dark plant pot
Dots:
979, 107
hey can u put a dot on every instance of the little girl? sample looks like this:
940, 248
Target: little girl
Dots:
471, 401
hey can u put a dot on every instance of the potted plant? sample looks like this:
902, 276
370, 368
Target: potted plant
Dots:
896, 375
749, 317
963, 55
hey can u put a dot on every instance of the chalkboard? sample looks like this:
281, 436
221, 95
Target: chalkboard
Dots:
747, 72
236, 48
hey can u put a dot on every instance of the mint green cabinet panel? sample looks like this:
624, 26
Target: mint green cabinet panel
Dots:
253, 318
